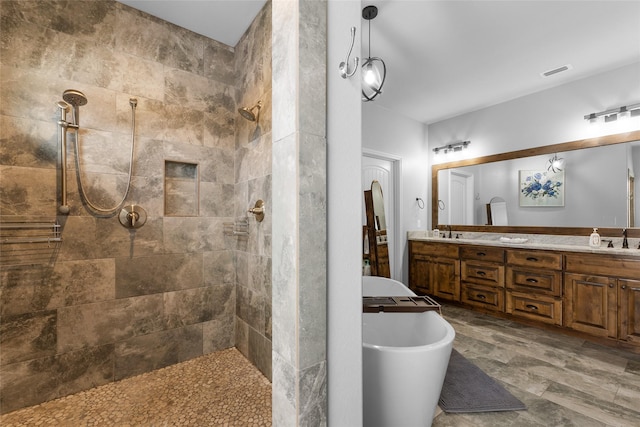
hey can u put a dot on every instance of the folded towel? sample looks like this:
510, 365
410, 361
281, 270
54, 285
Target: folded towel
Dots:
513, 240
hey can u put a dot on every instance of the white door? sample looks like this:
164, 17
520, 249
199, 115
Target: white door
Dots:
382, 171
461, 198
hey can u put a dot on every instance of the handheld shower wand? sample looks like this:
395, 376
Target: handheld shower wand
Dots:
76, 99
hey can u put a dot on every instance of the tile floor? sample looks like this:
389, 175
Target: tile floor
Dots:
219, 389
564, 381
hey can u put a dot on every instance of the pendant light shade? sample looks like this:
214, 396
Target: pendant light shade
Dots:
374, 70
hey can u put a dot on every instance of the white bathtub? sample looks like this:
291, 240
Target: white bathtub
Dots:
405, 358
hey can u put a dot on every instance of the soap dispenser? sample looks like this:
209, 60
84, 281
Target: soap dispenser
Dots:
594, 239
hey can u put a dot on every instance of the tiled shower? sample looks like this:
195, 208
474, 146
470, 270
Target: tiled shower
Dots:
112, 303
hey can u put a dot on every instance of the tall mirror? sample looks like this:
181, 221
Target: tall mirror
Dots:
378, 206
497, 212
376, 248
562, 187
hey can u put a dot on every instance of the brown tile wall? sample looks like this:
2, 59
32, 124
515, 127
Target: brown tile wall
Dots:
113, 303
253, 182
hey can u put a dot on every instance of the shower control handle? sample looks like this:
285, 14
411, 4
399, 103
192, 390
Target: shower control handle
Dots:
132, 217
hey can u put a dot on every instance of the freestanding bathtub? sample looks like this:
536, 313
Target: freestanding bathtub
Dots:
405, 358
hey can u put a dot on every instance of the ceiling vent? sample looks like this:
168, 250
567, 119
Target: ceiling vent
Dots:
556, 70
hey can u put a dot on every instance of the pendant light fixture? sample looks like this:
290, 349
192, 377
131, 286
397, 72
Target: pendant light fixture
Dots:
556, 164
374, 70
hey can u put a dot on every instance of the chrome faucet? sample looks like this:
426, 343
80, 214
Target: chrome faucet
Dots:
625, 243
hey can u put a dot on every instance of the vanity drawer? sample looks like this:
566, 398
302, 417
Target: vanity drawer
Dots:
534, 307
483, 296
538, 281
482, 273
482, 253
537, 259
446, 250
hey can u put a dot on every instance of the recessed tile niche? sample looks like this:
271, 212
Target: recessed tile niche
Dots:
181, 189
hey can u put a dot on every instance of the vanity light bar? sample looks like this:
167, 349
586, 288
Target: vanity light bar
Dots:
454, 146
612, 114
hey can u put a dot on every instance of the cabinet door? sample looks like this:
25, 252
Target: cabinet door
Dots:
629, 310
420, 275
445, 278
590, 304
435, 276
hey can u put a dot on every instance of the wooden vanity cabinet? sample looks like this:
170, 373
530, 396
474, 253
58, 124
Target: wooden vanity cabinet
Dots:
434, 269
602, 296
595, 294
482, 277
534, 285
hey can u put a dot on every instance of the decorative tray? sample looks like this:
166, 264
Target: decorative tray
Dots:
401, 304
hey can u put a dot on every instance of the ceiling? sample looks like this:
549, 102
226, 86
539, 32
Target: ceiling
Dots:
446, 58
221, 20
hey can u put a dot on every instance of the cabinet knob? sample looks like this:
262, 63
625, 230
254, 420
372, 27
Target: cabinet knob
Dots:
531, 280
611, 285
481, 254
532, 259
624, 286
480, 296
481, 273
531, 307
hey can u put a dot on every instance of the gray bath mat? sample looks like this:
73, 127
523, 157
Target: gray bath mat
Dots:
467, 389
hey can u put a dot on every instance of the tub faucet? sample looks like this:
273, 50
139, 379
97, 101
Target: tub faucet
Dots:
625, 243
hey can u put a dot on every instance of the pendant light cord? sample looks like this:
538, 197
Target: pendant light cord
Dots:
369, 38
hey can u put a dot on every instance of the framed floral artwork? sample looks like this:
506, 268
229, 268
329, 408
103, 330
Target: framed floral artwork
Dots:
541, 188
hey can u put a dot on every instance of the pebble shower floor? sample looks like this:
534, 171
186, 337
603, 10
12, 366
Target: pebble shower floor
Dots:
218, 389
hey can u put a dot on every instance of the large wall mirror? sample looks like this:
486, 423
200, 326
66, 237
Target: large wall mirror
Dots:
592, 184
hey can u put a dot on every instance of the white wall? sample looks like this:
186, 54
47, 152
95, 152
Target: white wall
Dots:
549, 117
391, 133
344, 299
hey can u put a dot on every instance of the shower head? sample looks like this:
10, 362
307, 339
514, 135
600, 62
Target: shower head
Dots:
248, 113
76, 99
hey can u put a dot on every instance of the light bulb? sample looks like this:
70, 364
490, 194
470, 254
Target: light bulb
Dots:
369, 75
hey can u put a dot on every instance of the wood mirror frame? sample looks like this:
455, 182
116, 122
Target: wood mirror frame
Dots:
547, 149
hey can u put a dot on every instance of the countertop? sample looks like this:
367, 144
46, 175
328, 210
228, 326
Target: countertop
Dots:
533, 241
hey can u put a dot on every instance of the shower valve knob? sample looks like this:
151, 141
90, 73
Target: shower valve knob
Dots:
258, 210
132, 216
